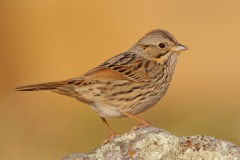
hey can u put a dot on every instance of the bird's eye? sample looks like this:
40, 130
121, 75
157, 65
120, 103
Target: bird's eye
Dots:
161, 45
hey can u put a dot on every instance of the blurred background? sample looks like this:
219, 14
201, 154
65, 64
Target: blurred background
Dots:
52, 40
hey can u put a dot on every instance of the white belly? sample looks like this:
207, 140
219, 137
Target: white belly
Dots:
107, 111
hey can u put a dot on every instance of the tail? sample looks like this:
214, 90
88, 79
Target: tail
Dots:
38, 87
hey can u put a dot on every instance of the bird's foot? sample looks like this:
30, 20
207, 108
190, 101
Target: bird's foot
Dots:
140, 126
109, 138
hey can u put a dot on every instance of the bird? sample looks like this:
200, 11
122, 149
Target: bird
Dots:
126, 84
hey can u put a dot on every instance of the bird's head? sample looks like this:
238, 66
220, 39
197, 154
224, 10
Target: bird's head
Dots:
159, 45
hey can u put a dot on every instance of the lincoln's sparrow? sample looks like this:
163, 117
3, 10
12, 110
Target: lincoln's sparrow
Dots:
127, 84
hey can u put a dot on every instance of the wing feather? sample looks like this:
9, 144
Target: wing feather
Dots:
125, 66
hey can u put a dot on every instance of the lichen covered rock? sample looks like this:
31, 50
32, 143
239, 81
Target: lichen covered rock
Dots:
154, 143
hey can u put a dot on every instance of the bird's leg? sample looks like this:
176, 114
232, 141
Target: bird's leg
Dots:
110, 131
143, 122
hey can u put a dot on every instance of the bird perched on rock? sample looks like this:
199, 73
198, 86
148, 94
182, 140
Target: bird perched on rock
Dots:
127, 84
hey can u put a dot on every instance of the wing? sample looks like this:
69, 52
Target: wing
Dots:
125, 66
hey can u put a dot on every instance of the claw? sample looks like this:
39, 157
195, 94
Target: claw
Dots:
140, 126
109, 138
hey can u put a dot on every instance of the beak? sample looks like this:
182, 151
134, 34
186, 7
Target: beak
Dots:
179, 48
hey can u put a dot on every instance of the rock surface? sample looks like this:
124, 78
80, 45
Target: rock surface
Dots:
154, 143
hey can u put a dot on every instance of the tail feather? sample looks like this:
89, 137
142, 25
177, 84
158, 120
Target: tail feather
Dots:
41, 86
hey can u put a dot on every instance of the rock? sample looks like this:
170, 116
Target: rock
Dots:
154, 143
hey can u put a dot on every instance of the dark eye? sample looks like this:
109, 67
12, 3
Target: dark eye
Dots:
161, 45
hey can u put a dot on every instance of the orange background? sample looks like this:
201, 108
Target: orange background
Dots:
43, 41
